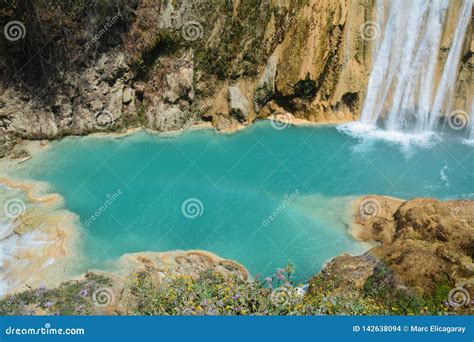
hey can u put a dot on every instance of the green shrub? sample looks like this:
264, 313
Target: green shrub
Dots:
305, 88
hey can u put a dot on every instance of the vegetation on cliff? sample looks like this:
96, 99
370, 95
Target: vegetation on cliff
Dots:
211, 293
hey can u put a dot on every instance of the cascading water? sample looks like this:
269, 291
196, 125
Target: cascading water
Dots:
403, 92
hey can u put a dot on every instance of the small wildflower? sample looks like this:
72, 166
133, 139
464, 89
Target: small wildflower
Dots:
83, 293
40, 291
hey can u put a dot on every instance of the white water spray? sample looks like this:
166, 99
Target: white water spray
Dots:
402, 93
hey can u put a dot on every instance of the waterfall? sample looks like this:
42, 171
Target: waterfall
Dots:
403, 93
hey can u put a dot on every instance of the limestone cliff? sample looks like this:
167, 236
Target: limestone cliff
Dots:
169, 64
425, 244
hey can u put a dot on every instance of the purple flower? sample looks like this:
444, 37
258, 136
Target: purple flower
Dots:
80, 307
48, 304
269, 282
237, 295
40, 291
83, 293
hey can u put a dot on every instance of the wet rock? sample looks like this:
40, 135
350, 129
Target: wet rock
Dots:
425, 243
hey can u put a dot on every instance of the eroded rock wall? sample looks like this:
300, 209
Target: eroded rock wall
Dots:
227, 62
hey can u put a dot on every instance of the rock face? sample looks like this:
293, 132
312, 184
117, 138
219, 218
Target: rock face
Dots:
238, 104
424, 243
223, 62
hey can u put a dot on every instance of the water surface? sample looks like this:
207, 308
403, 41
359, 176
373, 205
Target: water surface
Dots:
262, 197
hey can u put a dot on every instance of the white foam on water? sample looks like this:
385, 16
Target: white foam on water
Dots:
402, 91
443, 175
370, 134
10, 249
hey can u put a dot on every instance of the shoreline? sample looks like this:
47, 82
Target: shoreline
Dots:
37, 192
203, 125
68, 241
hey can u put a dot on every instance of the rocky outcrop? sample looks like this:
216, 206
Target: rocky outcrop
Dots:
226, 63
238, 104
425, 244
163, 266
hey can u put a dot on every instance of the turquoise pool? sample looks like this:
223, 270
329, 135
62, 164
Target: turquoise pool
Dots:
262, 197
